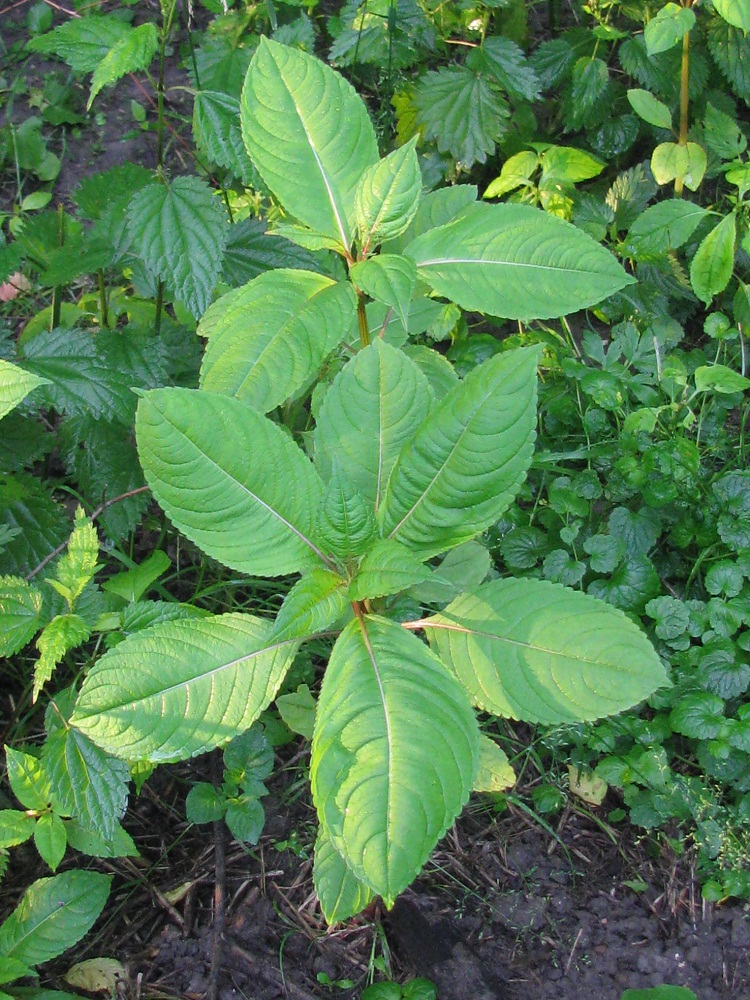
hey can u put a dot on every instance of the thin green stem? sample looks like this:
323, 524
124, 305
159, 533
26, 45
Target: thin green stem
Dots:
364, 327
57, 292
103, 311
684, 100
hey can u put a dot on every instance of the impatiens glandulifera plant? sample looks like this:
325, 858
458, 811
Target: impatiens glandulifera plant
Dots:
408, 464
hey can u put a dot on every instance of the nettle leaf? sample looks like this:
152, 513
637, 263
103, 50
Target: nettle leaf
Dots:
62, 634
35, 524
78, 564
86, 783
494, 773
309, 135
699, 715
667, 28
665, 226
509, 67
251, 251
83, 42
368, 415
532, 650
179, 230
517, 262
130, 54
266, 340
588, 94
314, 604
15, 385
734, 12
340, 893
53, 915
386, 568
346, 521
461, 111
728, 46
712, 265
464, 464
20, 613
387, 196
394, 753
388, 278
255, 516
182, 687
216, 130
79, 379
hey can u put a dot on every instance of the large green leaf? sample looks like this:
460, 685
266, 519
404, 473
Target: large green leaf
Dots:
53, 915
665, 226
268, 339
130, 54
182, 687
82, 42
346, 521
33, 524
87, 783
734, 12
313, 604
20, 613
15, 384
340, 893
252, 493
712, 264
179, 230
516, 261
464, 464
368, 415
387, 568
394, 753
216, 129
309, 135
387, 196
388, 278
532, 650
667, 28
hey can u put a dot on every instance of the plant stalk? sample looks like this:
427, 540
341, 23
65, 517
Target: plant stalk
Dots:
57, 291
364, 327
103, 311
684, 102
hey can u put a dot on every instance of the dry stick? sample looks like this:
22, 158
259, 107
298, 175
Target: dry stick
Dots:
220, 892
99, 510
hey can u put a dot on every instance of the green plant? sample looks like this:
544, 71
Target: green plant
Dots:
403, 472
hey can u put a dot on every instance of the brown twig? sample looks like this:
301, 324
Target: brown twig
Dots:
220, 891
96, 513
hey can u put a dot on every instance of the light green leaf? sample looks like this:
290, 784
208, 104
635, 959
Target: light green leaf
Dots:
308, 239
267, 339
567, 165
494, 773
436, 208
340, 893
308, 134
297, 709
667, 28
719, 378
464, 568
665, 226
11, 969
713, 262
387, 568
28, 780
370, 411
15, 384
439, 372
20, 613
50, 839
462, 112
517, 172
255, 516
179, 230
532, 650
394, 753
245, 818
88, 841
86, 783
651, 110
388, 278
387, 196
517, 262
734, 12
62, 634
346, 521
53, 915
182, 687
313, 605
16, 827
216, 129
130, 54
671, 161
134, 583
464, 464
82, 42
78, 565
205, 803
